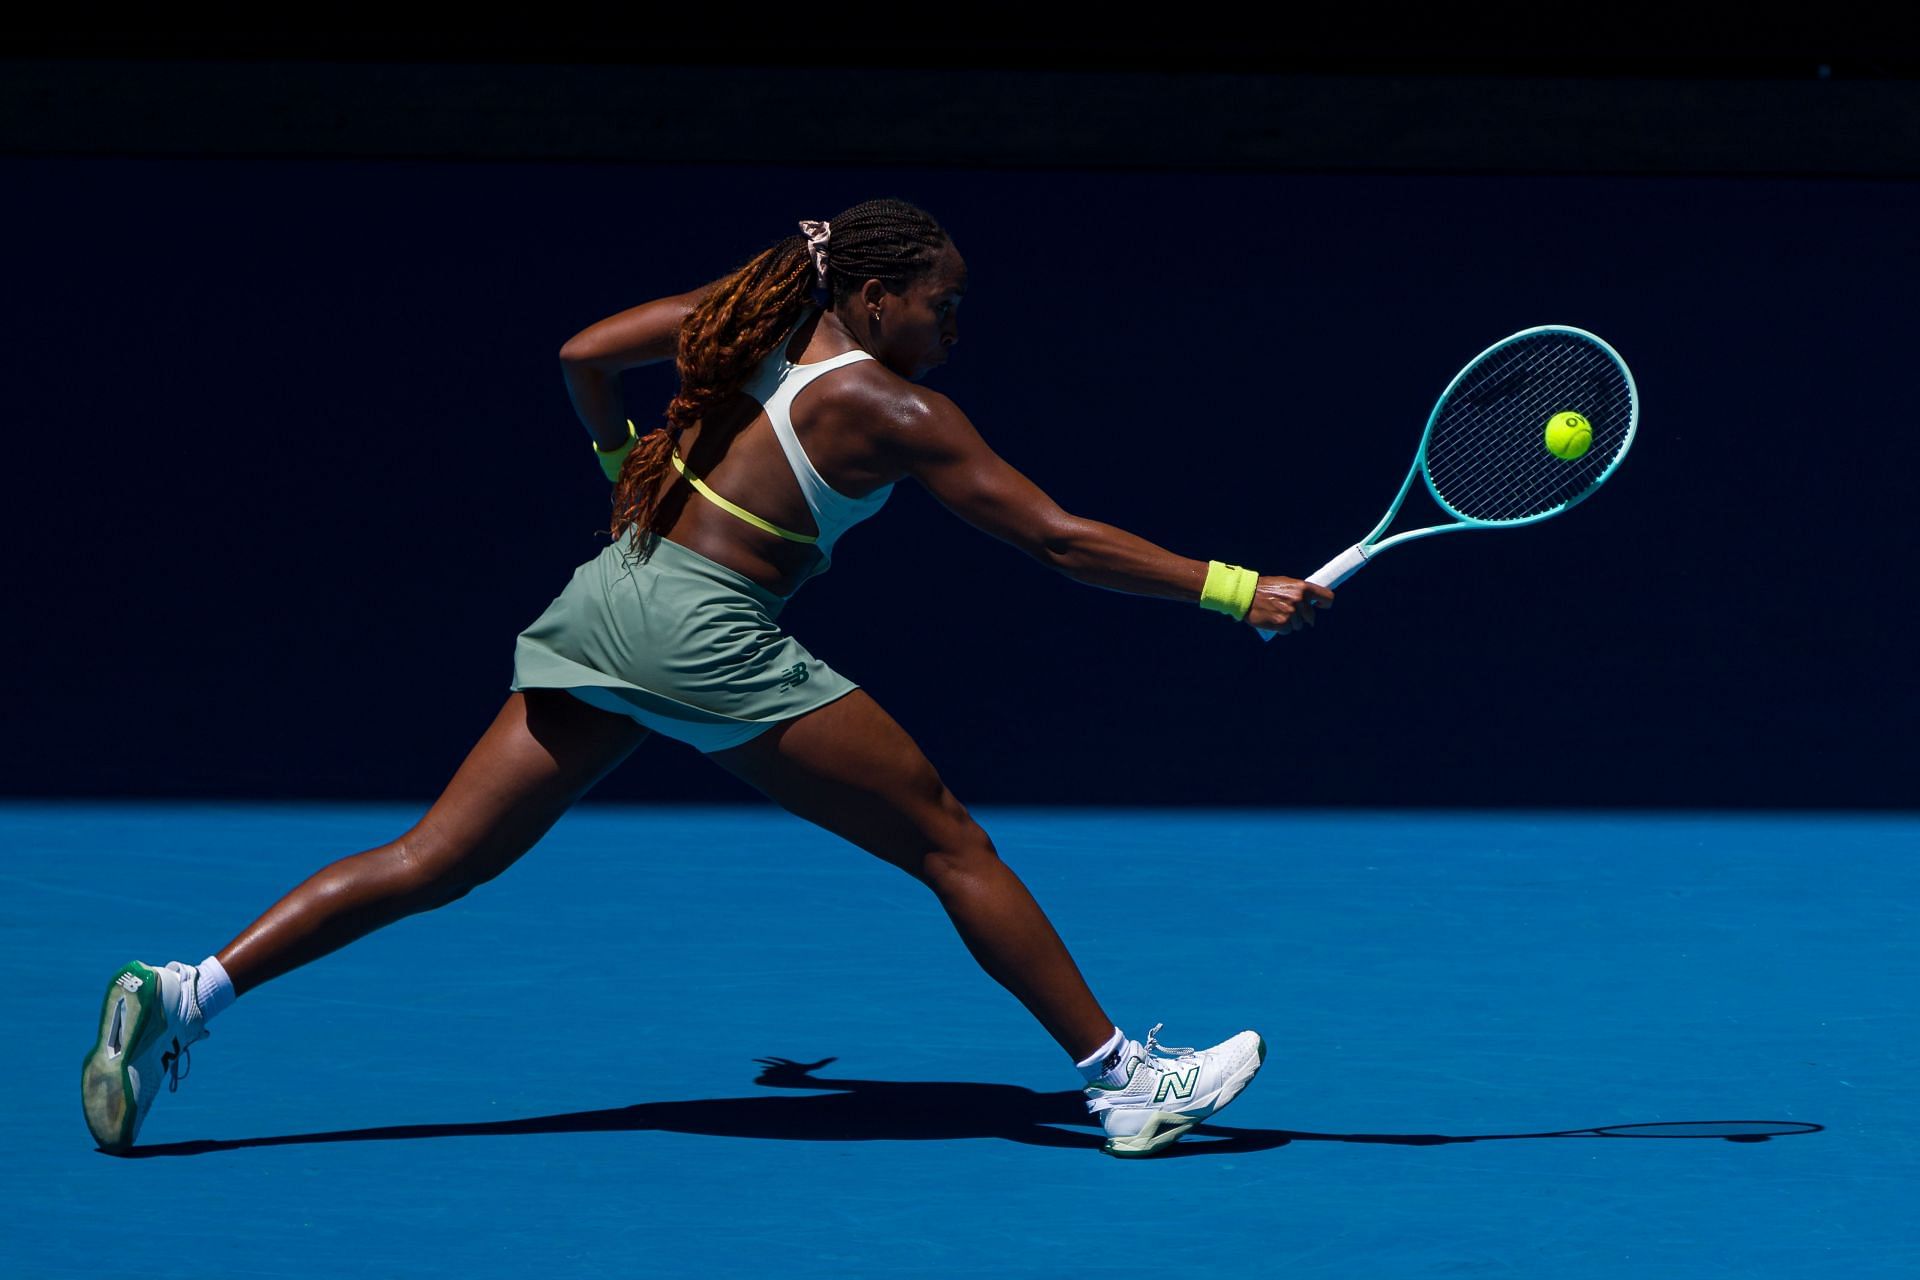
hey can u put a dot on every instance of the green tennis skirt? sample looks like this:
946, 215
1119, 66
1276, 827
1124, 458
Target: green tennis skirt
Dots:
684, 645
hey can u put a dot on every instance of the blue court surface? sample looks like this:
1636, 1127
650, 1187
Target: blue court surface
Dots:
719, 1041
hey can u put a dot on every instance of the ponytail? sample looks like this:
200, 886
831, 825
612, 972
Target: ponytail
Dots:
722, 341
744, 316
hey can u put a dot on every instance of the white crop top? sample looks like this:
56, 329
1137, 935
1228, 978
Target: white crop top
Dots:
774, 385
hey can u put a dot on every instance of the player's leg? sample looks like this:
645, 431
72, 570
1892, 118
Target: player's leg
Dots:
850, 768
543, 751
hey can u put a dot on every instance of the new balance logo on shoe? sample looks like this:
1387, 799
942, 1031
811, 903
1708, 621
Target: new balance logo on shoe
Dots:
129, 982
1179, 1083
1151, 1112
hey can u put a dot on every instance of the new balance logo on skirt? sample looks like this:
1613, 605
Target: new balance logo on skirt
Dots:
129, 982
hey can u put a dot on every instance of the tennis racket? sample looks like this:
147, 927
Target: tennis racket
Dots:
1485, 453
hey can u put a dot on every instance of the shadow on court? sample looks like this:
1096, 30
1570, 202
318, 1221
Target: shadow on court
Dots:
909, 1111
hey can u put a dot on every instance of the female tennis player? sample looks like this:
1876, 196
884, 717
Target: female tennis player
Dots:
798, 410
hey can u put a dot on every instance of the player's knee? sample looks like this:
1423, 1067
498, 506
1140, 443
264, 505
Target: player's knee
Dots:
962, 853
427, 874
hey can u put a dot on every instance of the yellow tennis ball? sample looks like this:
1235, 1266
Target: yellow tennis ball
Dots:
1569, 436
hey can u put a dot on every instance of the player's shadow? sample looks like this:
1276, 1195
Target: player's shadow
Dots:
841, 1110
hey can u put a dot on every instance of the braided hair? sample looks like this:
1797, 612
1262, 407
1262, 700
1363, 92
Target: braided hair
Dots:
744, 316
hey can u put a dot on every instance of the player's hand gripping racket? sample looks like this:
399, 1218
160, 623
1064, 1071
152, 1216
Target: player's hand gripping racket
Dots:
1532, 425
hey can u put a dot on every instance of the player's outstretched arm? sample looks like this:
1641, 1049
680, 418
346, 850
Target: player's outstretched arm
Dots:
938, 446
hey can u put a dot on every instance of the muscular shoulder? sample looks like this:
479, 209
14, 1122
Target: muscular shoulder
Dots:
884, 398
896, 414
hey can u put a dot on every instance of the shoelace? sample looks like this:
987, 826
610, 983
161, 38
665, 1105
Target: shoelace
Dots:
1181, 1053
172, 1063
178, 1062
1155, 1057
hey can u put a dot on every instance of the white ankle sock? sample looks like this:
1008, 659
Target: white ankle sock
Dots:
214, 990
1096, 1067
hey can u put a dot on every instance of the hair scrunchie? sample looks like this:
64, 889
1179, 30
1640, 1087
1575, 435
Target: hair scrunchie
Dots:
817, 234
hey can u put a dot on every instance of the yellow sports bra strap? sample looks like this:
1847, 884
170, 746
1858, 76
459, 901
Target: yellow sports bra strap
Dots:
735, 508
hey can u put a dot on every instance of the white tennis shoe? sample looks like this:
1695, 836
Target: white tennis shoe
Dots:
1168, 1091
150, 1018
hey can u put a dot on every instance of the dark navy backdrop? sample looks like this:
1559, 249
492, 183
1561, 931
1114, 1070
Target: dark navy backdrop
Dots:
291, 463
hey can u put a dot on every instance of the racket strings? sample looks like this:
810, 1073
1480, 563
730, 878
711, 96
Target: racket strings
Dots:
1491, 461
1516, 474
1486, 456
1495, 467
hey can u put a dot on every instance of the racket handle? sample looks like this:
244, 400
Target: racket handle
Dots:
1333, 573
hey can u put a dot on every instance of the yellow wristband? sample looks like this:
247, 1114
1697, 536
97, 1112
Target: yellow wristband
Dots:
610, 459
1228, 589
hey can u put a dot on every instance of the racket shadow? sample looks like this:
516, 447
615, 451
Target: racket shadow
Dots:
850, 1110
1223, 1140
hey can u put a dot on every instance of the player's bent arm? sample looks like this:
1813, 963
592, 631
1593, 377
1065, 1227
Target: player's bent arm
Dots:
938, 446
642, 335
592, 360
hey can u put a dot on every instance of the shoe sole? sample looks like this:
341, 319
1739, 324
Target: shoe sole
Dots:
1164, 1128
106, 1091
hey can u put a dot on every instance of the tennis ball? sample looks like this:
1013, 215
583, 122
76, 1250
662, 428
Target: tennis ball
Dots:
1569, 436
